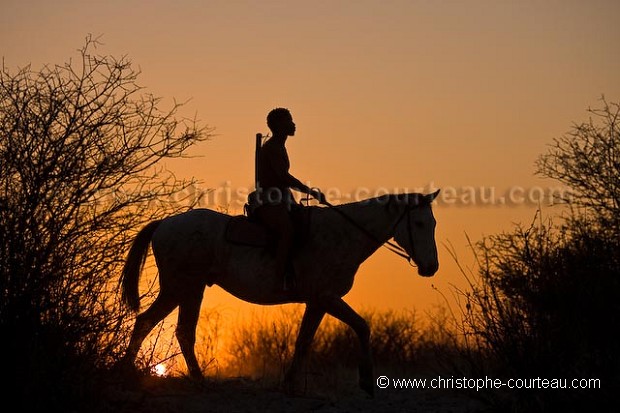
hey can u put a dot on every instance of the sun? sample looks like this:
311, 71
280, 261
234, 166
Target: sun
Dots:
160, 370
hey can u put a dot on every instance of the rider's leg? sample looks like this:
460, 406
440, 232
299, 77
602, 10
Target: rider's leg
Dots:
283, 250
277, 219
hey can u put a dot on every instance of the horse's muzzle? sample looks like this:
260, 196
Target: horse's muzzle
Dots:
428, 271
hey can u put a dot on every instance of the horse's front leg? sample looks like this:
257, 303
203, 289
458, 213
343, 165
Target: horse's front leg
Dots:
309, 324
336, 307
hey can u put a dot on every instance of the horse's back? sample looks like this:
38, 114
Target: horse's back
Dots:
191, 222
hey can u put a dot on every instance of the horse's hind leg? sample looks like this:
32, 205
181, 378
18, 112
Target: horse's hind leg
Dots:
189, 311
161, 307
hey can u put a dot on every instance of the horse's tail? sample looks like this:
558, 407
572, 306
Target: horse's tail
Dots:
134, 264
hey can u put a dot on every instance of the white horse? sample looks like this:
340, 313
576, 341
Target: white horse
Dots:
191, 252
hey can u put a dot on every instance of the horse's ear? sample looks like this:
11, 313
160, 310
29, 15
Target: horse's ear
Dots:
431, 197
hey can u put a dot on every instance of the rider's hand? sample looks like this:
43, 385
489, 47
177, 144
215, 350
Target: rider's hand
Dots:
319, 196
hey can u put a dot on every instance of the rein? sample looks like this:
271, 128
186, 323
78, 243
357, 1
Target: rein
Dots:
389, 245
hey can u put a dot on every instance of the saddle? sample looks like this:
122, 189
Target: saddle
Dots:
246, 231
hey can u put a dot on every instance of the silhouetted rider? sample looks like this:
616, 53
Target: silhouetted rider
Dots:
276, 183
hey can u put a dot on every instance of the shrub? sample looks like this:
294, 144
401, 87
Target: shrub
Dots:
78, 149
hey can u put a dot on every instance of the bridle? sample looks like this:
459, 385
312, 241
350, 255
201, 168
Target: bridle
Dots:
389, 245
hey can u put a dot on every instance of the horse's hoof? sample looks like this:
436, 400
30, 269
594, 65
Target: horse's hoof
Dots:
368, 386
196, 376
125, 368
125, 374
290, 390
291, 385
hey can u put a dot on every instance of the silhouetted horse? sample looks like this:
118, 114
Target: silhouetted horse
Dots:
191, 252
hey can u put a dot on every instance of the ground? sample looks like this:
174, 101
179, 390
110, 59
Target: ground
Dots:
244, 395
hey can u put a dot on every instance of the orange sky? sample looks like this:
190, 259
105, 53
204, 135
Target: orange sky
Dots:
394, 94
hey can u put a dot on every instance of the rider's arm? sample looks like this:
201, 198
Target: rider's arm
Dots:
297, 185
280, 169
306, 190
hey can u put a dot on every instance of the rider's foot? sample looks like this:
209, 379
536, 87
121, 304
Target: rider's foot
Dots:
289, 282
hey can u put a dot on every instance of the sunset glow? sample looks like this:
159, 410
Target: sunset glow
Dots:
160, 370
327, 205
397, 95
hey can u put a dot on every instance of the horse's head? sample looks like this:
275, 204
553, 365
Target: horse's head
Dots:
415, 233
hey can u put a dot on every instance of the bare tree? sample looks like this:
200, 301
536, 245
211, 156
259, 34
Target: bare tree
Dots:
587, 159
80, 145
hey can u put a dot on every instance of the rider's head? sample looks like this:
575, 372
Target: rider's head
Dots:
280, 122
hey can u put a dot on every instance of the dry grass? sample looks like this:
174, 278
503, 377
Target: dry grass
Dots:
403, 344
